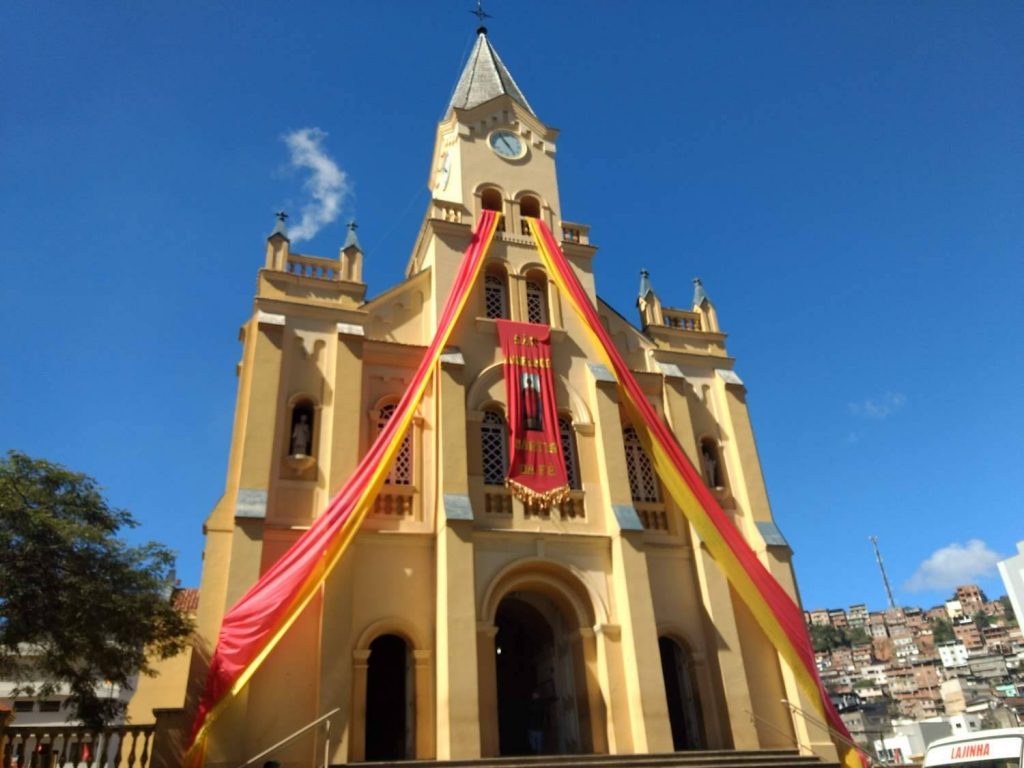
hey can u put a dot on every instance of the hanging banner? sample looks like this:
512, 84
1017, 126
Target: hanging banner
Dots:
536, 467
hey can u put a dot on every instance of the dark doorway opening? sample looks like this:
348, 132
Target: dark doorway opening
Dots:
681, 692
537, 711
388, 693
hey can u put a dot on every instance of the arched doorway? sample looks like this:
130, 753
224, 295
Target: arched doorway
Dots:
681, 691
537, 708
390, 708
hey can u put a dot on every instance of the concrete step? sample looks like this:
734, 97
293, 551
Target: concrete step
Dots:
767, 758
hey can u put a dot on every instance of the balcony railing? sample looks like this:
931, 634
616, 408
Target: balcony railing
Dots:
69, 746
447, 212
313, 266
498, 501
572, 508
653, 515
575, 233
395, 502
677, 318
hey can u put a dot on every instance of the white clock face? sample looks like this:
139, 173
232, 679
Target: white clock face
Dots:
507, 144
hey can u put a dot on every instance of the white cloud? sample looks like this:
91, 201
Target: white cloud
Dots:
327, 184
953, 565
887, 405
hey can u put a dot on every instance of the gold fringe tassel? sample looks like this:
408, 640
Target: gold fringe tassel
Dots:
532, 498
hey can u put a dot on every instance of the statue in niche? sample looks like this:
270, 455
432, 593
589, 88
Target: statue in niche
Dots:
301, 436
709, 457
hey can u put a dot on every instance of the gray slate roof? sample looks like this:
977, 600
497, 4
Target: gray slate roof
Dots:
484, 78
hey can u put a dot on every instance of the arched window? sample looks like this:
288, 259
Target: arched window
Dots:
568, 438
528, 207
491, 200
643, 483
495, 294
401, 470
494, 448
537, 298
300, 438
711, 460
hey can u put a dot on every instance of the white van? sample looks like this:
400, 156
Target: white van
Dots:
999, 748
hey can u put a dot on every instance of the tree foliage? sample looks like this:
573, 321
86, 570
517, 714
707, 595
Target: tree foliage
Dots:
80, 609
827, 638
942, 630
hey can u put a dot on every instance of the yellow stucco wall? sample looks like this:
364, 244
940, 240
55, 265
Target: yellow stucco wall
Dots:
436, 581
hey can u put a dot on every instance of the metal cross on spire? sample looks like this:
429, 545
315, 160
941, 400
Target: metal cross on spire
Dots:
481, 14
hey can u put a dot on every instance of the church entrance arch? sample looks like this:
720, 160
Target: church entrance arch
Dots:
537, 708
681, 692
390, 702
539, 686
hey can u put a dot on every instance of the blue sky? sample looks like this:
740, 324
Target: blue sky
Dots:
845, 177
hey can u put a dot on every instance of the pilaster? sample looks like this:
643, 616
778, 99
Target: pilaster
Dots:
457, 687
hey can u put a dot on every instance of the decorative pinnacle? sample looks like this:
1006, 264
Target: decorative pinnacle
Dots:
279, 226
699, 294
645, 283
481, 14
351, 241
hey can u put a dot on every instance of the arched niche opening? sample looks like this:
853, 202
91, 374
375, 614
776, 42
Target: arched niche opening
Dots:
491, 200
390, 700
711, 462
529, 207
684, 711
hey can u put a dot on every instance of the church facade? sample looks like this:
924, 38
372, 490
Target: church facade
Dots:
462, 622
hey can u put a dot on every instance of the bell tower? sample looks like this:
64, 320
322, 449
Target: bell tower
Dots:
491, 150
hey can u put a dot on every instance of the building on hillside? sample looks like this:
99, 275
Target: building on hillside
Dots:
967, 632
953, 654
957, 693
954, 610
458, 614
937, 613
857, 615
910, 739
972, 600
1011, 570
837, 618
819, 618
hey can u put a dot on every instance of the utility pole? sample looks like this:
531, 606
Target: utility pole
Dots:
881, 567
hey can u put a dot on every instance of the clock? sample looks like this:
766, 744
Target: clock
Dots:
507, 144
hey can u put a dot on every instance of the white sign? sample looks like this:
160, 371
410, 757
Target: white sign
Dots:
974, 750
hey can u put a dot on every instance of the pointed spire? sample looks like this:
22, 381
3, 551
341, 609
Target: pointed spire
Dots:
351, 240
699, 294
279, 225
645, 284
485, 77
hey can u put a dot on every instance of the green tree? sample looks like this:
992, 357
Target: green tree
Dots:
942, 630
857, 636
981, 620
78, 606
826, 638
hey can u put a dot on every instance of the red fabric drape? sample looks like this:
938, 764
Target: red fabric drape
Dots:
252, 627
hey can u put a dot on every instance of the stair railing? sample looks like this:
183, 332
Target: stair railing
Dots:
800, 747
872, 759
295, 735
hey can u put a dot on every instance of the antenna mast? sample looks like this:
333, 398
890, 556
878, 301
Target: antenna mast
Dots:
881, 567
